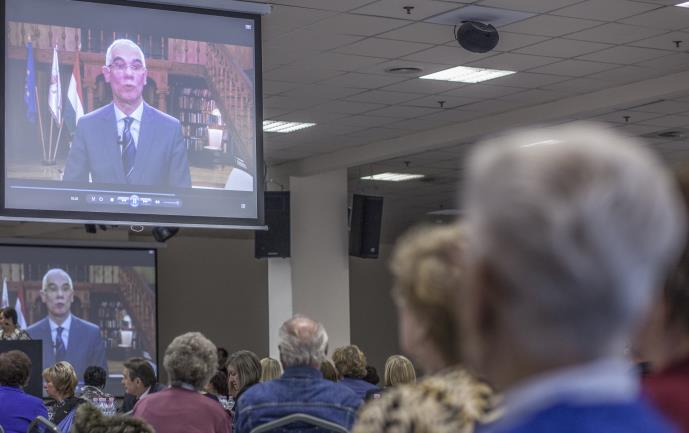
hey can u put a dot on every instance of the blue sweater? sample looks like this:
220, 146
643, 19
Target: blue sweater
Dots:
636, 417
18, 409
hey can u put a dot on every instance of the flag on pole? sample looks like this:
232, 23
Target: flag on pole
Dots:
75, 109
30, 85
55, 92
21, 321
5, 294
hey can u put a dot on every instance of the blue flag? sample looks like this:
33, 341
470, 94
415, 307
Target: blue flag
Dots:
30, 85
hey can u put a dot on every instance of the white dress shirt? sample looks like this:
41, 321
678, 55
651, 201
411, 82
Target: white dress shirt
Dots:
65, 330
135, 126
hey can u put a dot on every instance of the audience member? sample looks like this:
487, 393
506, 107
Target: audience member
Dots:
664, 340
243, 371
427, 269
217, 389
329, 371
8, 326
570, 231
222, 359
190, 361
94, 383
60, 384
139, 380
17, 409
88, 419
301, 389
350, 362
398, 371
270, 369
372, 375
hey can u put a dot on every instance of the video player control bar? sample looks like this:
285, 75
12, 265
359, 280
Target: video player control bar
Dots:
133, 200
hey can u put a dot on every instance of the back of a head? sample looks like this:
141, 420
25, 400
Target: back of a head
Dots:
350, 361
270, 369
15, 367
142, 369
303, 342
577, 225
96, 376
399, 370
371, 375
89, 419
191, 359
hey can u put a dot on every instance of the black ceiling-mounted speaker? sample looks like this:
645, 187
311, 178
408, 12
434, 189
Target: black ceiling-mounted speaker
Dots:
276, 241
477, 37
365, 223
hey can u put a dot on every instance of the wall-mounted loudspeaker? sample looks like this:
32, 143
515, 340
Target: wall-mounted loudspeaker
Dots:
276, 241
364, 233
477, 37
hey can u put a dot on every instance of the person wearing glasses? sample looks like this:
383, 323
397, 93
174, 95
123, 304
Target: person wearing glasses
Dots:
65, 336
128, 141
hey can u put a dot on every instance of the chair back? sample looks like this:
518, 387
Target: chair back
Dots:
42, 425
321, 424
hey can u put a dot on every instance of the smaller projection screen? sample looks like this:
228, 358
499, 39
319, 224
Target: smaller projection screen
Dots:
104, 299
131, 112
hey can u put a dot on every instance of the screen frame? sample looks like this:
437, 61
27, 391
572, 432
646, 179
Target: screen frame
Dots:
111, 245
115, 218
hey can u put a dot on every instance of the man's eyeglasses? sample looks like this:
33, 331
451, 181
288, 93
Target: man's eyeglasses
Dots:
121, 67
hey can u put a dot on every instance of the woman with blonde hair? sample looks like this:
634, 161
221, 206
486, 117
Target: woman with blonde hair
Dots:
60, 384
427, 269
399, 370
270, 369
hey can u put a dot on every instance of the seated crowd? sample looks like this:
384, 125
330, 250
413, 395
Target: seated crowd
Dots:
525, 317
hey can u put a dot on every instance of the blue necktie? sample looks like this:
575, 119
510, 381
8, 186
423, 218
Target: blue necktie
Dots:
60, 350
129, 149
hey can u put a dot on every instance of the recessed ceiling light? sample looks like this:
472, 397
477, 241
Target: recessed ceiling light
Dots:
401, 70
683, 5
284, 127
393, 177
465, 74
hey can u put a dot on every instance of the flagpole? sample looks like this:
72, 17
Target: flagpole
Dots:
57, 142
40, 120
50, 141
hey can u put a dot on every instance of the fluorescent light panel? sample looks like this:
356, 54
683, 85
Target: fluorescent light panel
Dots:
683, 5
393, 177
465, 74
284, 127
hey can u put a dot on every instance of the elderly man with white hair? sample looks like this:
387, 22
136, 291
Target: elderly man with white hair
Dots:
571, 231
301, 389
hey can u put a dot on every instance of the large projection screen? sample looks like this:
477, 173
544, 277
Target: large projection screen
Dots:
112, 304
164, 131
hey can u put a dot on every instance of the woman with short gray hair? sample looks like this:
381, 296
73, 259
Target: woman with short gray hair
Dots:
190, 361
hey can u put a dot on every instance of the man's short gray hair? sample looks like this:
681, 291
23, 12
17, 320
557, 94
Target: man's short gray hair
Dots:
191, 358
577, 224
127, 42
303, 342
55, 271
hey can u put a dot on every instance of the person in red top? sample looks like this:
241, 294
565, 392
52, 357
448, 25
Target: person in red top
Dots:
190, 361
664, 340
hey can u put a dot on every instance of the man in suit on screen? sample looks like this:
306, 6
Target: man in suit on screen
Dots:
128, 141
65, 336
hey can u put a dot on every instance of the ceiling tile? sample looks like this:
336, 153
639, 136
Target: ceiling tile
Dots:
350, 24
624, 55
621, 116
331, 5
311, 115
320, 91
514, 62
664, 107
383, 97
533, 96
491, 106
448, 55
367, 121
666, 41
339, 62
403, 111
449, 101
481, 91
386, 48
668, 64
574, 68
608, 10
425, 87
426, 67
615, 33
626, 74
395, 9
300, 74
418, 124
528, 5
275, 87
667, 18
363, 81
565, 48
307, 40
348, 107
578, 85
283, 19
421, 32
670, 121
511, 41
549, 25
